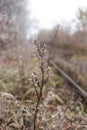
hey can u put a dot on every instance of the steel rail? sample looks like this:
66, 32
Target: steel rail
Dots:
66, 76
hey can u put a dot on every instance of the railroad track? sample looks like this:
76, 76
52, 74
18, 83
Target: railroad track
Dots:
66, 76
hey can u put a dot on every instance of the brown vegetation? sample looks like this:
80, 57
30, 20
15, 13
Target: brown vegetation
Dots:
34, 103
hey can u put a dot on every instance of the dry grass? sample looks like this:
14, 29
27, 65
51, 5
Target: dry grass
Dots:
73, 71
57, 109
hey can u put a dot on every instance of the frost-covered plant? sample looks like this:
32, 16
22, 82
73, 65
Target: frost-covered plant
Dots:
14, 115
42, 56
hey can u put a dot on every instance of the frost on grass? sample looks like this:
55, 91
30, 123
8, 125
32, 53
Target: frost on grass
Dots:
20, 114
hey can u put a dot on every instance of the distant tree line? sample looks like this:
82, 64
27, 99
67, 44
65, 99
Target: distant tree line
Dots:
64, 36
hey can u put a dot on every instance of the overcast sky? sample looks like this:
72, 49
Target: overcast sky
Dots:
50, 12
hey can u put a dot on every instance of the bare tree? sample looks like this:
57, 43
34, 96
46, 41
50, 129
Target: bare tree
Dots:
81, 25
14, 17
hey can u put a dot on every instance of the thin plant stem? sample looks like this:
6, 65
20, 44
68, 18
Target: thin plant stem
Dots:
39, 97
